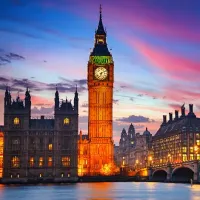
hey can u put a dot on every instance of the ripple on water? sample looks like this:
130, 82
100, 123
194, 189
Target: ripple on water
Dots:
101, 191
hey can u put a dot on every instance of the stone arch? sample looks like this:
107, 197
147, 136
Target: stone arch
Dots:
159, 175
182, 174
178, 167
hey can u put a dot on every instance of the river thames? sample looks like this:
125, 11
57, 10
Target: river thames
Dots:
100, 191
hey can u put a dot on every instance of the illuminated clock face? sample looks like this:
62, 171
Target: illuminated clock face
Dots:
101, 73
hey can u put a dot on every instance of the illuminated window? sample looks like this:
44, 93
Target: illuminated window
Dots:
132, 142
62, 175
16, 120
65, 161
198, 156
184, 149
198, 142
40, 175
17, 175
100, 41
68, 175
191, 157
31, 162
66, 121
40, 161
11, 176
50, 147
50, 161
184, 157
191, 149
15, 162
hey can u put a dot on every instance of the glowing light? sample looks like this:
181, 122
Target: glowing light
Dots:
1, 154
109, 169
50, 147
16, 120
196, 148
101, 60
66, 121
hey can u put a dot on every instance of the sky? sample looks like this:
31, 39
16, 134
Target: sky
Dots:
155, 46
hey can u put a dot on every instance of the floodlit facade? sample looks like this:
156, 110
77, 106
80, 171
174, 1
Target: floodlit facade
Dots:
178, 139
98, 150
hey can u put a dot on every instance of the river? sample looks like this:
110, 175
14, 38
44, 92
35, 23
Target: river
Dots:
101, 191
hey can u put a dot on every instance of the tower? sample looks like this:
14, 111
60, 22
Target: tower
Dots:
100, 99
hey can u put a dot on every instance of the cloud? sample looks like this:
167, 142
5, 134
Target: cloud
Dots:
134, 119
9, 57
63, 86
42, 111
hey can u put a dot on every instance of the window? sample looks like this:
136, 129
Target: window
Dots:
191, 149
31, 162
184, 157
132, 142
40, 175
16, 121
15, 162
50, 147
17, 175
198, 156
40, 161
184, 149
50, 160
62, 175
198, 142
66, 121
191, 157
65, 161
68, 175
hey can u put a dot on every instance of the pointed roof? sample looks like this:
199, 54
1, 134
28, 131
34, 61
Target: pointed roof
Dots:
100, 30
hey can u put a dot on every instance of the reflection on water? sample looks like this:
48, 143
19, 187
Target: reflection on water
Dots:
101, 191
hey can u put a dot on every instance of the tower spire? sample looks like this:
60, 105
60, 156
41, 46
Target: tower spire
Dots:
100, 30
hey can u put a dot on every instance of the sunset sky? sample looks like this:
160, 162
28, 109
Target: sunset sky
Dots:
155, 46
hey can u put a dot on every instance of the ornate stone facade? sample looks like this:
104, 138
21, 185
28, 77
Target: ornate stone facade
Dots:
39, 149
100, 147
133, 150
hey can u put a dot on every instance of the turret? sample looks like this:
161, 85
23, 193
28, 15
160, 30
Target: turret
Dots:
56, 99
170, 117
6, 98
27, 99
183, 111
76, 100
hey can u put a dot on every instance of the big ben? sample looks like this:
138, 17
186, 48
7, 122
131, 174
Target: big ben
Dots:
100, 99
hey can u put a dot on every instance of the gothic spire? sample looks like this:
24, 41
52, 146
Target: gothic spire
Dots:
100, 30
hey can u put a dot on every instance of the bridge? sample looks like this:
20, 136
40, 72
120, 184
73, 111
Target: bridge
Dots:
175, 172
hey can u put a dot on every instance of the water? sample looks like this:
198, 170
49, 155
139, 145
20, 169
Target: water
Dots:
101, 191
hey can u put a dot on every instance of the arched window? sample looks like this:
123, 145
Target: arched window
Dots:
66, 121
15, 162
16, 120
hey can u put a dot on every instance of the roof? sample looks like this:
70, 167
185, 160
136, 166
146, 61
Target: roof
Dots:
178, 126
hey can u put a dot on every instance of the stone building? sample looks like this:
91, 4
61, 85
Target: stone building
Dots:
134, 149
39, 149
178, 139
96, 153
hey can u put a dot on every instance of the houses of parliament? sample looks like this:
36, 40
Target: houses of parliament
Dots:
50, 148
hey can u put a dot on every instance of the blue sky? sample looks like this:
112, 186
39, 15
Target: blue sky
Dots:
155, 46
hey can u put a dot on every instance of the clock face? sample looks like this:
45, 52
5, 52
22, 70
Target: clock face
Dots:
101, 73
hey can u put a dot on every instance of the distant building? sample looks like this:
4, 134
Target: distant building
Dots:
39, 148
133, 149
178, 139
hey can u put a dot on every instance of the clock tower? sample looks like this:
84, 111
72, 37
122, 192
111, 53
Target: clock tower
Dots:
100, 99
